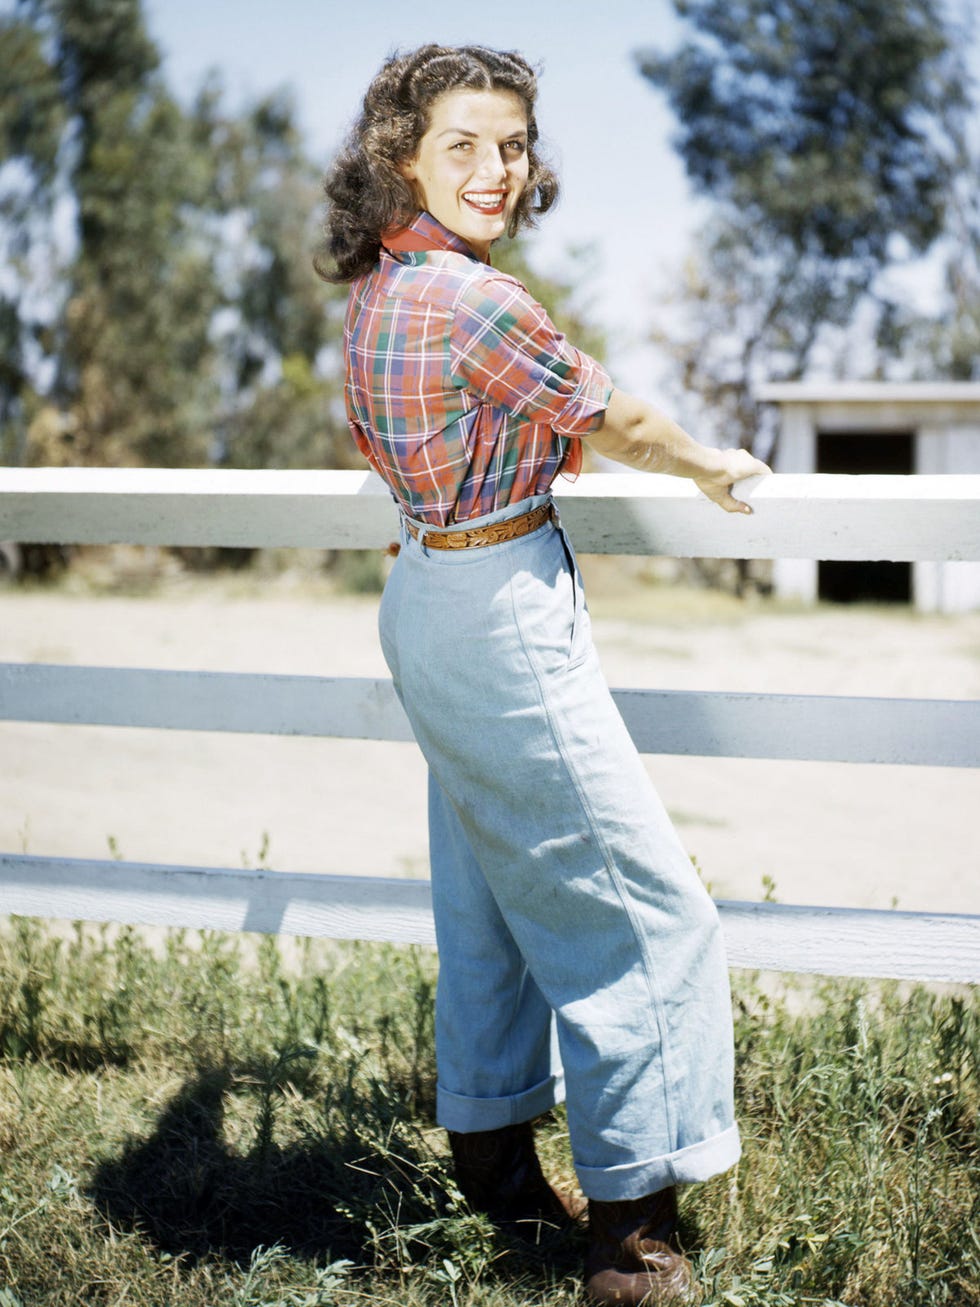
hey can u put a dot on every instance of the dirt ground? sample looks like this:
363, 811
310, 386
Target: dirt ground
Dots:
826, 833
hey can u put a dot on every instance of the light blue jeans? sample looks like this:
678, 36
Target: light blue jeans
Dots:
573, 931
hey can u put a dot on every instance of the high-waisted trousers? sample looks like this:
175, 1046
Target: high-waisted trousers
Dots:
579, 955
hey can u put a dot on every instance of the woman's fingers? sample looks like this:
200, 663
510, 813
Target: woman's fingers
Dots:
724, 498
738, 465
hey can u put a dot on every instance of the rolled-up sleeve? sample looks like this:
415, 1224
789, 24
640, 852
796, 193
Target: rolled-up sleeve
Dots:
507, 352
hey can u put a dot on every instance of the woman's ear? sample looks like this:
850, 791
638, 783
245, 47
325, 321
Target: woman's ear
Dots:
407, 169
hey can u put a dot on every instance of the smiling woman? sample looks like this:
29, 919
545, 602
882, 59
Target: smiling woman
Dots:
471, 168
370, 188
580, 957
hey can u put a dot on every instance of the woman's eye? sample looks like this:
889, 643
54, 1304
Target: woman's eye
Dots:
461, 145
515, 147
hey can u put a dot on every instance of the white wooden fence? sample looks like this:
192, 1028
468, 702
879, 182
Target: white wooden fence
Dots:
829, 517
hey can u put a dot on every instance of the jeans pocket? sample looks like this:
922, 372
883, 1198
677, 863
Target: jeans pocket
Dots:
579, 641
388, 612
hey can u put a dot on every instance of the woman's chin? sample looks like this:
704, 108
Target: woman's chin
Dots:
481, 234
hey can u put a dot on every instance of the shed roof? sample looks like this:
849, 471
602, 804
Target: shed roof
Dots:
869, 392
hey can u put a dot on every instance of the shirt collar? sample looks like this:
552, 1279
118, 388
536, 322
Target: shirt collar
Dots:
424, 233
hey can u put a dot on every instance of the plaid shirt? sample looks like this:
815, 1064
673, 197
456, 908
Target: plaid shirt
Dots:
460, 391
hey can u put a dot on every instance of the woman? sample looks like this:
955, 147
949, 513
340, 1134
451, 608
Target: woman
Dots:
579, 955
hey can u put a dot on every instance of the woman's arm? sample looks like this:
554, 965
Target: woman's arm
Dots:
639, 435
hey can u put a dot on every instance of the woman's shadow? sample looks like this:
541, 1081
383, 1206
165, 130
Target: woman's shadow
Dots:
373, 1196
189, 1192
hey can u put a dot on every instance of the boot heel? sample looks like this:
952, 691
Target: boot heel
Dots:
633, 1256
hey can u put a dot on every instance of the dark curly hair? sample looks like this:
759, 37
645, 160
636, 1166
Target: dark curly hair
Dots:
365, 191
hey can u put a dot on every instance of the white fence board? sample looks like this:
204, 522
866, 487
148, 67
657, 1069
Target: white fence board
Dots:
818, 728
216, 898
853, 942
768, 936
806, 516
829, 517
348, 707
931, 732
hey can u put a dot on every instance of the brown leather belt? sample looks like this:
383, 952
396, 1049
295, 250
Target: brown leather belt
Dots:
494, 533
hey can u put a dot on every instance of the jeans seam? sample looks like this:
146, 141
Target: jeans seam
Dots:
612, 871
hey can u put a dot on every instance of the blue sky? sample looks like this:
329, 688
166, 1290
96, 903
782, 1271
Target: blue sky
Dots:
624, 188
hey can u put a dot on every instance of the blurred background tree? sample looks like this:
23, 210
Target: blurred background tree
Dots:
832, 140
32, 121
171, 316
277, 335
131, 296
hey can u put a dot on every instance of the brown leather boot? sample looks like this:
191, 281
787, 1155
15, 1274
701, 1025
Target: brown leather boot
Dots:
498, 1173
633, 1255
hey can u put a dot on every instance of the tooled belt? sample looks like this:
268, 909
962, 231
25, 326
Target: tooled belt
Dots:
494, 533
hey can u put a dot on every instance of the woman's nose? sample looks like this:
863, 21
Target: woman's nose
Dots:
492, 167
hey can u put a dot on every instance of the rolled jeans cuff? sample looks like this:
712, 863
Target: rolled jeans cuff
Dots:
637, 1179
457, 1112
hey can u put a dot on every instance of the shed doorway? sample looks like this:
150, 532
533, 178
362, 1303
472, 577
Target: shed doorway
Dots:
865, 452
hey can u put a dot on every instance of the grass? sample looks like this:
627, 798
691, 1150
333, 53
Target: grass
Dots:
194, 1120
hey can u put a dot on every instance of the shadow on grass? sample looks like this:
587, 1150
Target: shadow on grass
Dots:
377, 1195
191, 1194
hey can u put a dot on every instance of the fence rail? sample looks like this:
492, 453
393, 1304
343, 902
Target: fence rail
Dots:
708, 724
906, 519
828, 517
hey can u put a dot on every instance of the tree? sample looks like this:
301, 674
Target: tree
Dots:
946, 342
129, 301
828, 137
278, 337
184, 324
31, 124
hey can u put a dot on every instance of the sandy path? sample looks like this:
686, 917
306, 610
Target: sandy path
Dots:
826, 833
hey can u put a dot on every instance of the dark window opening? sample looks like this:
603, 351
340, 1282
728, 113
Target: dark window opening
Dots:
865, 453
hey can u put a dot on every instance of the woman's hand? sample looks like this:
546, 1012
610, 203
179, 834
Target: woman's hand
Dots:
734, 465
639, 435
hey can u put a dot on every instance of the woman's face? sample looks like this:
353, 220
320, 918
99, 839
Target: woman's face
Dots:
471, 166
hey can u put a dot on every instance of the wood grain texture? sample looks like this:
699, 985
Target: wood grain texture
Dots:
768, 936
931, 732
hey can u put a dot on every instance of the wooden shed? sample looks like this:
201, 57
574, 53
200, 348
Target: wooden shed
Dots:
897, 428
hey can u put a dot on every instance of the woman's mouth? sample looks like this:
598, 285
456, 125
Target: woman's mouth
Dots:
490, 203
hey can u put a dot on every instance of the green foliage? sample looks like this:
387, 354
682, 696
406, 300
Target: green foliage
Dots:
832, 139
206, 1119
134, 297
946, 343
185, 324
278, 338
32, 122
827, 123
31, 111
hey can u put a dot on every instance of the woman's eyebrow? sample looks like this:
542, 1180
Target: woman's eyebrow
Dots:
461, 131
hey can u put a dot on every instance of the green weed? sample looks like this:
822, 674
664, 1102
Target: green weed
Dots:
207, 1118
